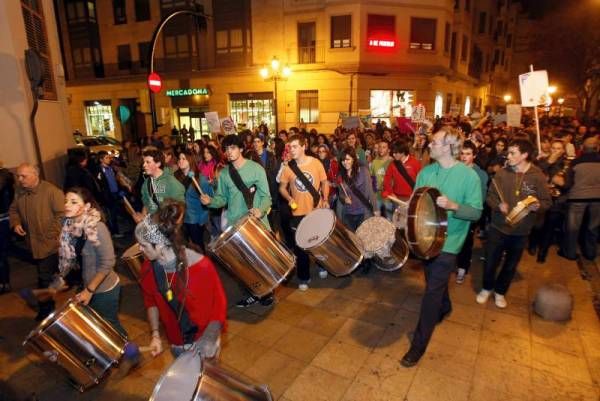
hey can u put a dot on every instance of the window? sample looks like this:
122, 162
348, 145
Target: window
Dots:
229, 41
308, 106
467, 110
119, 12
381, 27
509, 41
482, 20
464, 49
422, 33
438, 106
142, 10
447, 38
99, 118
37, 39
82, 57
467, 5
144, 52
341, 31
496, 58
307, 41
448, 102
124, 57
386, 104
252, 109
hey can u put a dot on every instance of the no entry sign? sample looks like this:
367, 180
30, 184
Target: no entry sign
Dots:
154, 82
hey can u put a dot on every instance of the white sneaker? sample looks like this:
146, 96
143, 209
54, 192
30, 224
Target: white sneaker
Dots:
303, 286
483, 296
500, 301
460, 276
323, 273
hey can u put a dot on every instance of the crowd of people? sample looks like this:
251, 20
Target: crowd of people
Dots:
183, 193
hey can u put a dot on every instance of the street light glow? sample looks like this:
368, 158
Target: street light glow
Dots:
287, 71
264, 72
560, 100
275, 64
551, 89
507, 98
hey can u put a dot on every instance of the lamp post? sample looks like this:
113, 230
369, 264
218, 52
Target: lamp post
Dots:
560, 101
275, 73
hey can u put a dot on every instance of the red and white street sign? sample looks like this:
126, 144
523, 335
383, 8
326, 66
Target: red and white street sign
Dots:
154, 82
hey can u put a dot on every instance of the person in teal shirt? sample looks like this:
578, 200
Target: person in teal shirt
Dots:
254, 177
460, 190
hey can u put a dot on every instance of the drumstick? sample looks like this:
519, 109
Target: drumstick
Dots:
396, 200
499, 192
197, 185
344, 189
145, 348
128, 206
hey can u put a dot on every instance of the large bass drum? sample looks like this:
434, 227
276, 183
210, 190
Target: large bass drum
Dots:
189, 378
426, 223
382, 242
133, 259
335, 247
78, 340
253, 255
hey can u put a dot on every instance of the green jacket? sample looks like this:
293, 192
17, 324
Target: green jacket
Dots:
165, 186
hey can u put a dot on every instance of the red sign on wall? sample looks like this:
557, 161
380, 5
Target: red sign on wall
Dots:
385, 43
154, 82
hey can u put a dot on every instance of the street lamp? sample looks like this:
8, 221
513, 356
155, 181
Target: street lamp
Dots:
275, 73
560, 101
507, 98
551, 89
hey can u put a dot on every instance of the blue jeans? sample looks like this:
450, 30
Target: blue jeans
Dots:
497, 244
106, 304
575, 223
353, 221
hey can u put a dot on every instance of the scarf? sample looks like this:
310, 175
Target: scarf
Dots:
72, 230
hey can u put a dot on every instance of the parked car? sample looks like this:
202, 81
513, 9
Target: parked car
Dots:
97, 143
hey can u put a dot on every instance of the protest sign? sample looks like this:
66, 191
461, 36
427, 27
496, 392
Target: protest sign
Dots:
513, 115
534, 88
212, 118
228, 125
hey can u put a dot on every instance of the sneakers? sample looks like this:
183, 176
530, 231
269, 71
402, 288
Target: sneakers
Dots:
411, 358
267, 301
303, 286
483, 296
500, 301
323, 273
460, 275
244, 303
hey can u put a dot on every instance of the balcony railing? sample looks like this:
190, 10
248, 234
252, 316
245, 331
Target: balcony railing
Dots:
311, 54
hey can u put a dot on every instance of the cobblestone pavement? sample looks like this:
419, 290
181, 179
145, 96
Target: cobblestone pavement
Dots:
344, 337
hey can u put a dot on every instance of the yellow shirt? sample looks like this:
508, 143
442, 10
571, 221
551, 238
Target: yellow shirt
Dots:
315, 172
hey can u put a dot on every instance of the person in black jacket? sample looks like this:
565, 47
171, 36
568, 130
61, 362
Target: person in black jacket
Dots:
269, 162
7, 193
78, 174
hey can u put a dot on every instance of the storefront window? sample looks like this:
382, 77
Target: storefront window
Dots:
193, 117
386, 104
252, 109
99, 118
438, 108
467, 105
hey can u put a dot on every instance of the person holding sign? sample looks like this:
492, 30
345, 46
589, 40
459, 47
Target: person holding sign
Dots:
243, 188
305, 176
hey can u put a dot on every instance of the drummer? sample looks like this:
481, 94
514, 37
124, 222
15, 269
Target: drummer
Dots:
85, 243
460, 190
243, 188
180, 285
400, 176
521, 178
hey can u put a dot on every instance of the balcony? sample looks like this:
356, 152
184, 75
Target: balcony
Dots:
314, 54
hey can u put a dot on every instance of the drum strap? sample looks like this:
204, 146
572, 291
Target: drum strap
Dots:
313, 191
248, 193
151, 191
187, 327
361, 197
402, 170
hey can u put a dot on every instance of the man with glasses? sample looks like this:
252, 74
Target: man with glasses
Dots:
460, 190
378, 167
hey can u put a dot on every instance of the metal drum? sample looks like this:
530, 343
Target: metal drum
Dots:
190, 378
426, 224
521, 210
78, 340
383, 243
335, 247
133, 259
253, 255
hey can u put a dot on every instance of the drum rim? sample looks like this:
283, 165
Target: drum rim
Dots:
51, 318
332, 229
440, 231
404, 259
227, 232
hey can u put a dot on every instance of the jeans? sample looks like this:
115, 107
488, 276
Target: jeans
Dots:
46, 268
553, 221
302, 259
463, 259
4, 240
106, 304
112, 209
575, 214
497, 244
353, 221
436, 301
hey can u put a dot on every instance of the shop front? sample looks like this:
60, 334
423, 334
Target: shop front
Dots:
189, 106
388, 104
99, 118
249, 110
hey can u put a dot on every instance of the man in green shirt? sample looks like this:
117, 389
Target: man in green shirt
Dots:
254, 177
158, 185
378, 168
460, 190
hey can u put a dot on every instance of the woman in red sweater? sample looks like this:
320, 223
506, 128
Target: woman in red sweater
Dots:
394, 182
180, 286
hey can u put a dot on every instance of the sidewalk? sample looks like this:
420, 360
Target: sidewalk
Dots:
344, 337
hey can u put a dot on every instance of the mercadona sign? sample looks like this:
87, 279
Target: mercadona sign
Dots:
187, 92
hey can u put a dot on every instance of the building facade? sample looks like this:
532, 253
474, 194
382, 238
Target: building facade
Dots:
373, 58
27, 24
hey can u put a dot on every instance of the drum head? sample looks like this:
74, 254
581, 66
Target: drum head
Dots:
132, 252
399, 217
426, 223
315, 228
180, 380
375, 233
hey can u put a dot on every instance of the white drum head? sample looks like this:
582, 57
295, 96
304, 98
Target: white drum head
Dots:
132, 251
315, 228
376, 233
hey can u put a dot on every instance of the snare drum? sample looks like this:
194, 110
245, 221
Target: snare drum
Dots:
382, 242
189, 378
133, 259
426, 223
335, 247
79, 341
253, 255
